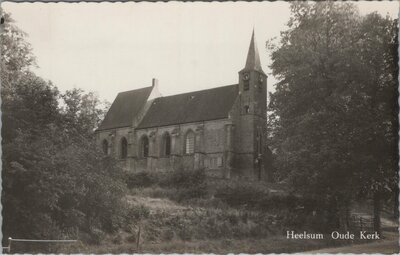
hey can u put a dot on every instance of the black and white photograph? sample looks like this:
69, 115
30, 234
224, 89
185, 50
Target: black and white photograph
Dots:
200, 127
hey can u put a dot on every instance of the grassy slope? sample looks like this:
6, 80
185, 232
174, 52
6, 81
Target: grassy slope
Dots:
201, 227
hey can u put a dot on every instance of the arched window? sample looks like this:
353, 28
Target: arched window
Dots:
246, 85
105, 147
124, 148
144, 147
189, 142
166, 149
246, 109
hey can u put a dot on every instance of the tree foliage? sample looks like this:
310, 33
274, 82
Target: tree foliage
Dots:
16, 53
334, 112
56, 183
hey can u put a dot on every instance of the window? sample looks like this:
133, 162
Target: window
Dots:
215, 162
189, 143
144, 147
246, 109
105, 147
246, 85
259, 143
207, 162
166, 150
219, 162
124, 148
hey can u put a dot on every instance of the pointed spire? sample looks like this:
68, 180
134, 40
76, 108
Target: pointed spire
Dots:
253, 58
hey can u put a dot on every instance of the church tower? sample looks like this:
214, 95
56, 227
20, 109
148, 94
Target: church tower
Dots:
251, 126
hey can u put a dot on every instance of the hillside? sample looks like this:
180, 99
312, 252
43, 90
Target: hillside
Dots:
197, 214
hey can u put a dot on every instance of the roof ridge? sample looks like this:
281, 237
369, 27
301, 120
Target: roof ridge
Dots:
135, 89
191, 92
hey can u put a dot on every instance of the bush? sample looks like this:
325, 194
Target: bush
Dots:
280, 202
139, 212
131, 238
189, 183
177, 185
252, 196
117, 239
240, 194
141, 179
168, 235
96, 236
186, 231
198, 191
182, 178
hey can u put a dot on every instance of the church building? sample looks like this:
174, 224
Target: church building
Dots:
222, 129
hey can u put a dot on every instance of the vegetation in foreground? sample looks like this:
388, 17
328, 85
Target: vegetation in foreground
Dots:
211, 220
56, 183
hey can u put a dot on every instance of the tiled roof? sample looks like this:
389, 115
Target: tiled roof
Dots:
195, 106
125, 108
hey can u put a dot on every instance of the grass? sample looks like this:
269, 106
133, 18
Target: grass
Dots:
265, 245
176, 228
273, 244
203, 223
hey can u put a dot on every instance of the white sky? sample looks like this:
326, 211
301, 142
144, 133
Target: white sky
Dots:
114, 47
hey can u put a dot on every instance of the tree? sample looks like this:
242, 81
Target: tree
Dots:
83, 111
333, 113
378, 140
16, 54
56, 182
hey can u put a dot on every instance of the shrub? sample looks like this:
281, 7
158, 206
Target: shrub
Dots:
96, 236
233, 219
139, 212
151, 233
117, 239
252, 196
141, 179
131, 238
186, 178
198, 191
186, 232
168, 235
240, 194
189, 184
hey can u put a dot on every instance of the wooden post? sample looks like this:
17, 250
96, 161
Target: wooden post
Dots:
377, 213
138, 240
9, 245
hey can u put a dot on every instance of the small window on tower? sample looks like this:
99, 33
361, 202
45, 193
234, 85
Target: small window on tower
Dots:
246, 109
246, 85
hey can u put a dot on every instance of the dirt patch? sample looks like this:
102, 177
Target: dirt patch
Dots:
156, 204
